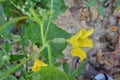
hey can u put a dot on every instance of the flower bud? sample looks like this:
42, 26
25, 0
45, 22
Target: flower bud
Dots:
59, 40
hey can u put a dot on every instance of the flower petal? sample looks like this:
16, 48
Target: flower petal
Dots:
86, 42
85, 33
73, 42
37, 65
79, 52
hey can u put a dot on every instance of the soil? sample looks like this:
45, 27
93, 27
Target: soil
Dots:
72, 20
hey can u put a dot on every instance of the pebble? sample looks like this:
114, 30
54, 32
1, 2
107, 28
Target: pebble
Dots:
112, 20
102, 76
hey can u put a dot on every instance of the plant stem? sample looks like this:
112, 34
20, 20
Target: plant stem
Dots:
49, 54
25, 56
49, 19
42, 33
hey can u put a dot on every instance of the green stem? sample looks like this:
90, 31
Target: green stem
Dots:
49, 54
25, 56
49, 19
42, 33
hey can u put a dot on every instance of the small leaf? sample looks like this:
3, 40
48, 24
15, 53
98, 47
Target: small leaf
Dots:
101, 0
100, 10
80, 69
91, 3
16, 57
66, 68
2, 19
117, 3
7, 47
1, 60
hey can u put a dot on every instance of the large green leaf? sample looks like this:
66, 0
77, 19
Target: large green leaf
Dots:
55, 32
32, 32
49, 73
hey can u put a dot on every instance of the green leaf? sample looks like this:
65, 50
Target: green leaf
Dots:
38, 0
10, 77
21, 78
55, 32
9, 9
16, 57
2, 19
100, 9
30, 32
2, 0
91, 3
58, 7
1, 60
50, 73
80, 69
66, 68
7, 47
101, 0
117, 3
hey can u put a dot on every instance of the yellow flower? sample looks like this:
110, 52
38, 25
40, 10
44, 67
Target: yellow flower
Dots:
79, 52
37, 65
79, 40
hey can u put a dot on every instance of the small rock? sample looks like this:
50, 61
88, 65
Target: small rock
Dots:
101, 17
18, 74
105, 22
112, 20
102, 76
